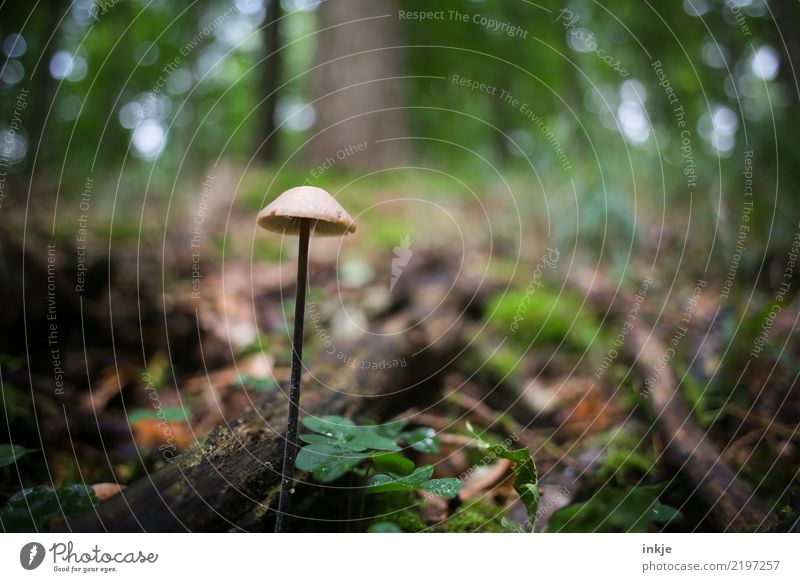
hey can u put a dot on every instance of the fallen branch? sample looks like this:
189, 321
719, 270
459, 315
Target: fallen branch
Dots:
733, 504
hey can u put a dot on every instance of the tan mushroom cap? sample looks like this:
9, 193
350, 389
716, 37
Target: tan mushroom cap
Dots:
284, 213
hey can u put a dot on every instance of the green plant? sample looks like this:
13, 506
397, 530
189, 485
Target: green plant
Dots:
526, 480
418, 479
339, 446
33, 508
614, 510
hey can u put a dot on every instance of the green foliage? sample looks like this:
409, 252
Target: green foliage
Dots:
342, 432
614, 510
10, 454
417, 480
33, 508
327, 463
604, 163
338, 446
423, 439
217, 111
392, 463
526, 480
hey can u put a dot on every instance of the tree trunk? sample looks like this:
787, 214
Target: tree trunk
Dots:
356, 81
787, 42
267, 138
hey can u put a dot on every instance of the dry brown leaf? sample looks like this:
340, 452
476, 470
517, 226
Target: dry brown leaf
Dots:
483, 478
105, 490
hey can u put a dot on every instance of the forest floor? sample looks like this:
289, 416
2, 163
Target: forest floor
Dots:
182, 323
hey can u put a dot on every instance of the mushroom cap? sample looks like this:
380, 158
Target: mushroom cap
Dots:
283, 214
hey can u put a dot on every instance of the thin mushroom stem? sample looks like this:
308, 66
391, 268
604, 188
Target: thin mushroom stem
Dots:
290, 447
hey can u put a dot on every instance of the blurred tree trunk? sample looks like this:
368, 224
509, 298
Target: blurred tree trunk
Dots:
787, 19
356, 82
41, 31
267, 137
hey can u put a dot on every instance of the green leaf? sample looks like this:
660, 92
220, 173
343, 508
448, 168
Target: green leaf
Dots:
335, 430
384, 527
368, 438
318, 439
393, 482
165, 413
10, 454
447, 487
392, 463
526, 480
391, 430
336, 427
33, 508
422, 439
339, 446
419, 479
327, 463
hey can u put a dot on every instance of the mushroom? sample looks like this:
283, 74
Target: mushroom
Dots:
300, 211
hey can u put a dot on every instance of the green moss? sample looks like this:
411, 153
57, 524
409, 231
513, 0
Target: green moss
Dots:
193, 455
385, 232
503, 361
409, 521
545, 318
626, 456
475, 517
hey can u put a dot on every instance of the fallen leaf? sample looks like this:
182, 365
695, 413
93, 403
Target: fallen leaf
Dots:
105, 490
